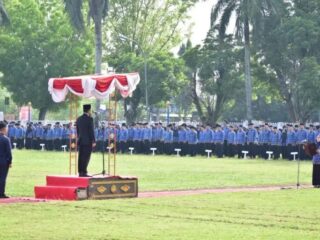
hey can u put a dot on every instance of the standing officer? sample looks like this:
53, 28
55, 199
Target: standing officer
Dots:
301, 136
240, 141
5, 158
251, 137
123, 138
291, 141
219, 140
86, 140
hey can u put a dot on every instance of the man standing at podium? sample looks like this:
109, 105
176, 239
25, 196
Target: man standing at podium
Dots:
86, 140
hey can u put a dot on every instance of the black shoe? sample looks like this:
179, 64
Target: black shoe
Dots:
4, 196
84, 175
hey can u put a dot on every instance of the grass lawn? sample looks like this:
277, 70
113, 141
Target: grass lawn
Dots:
285, 214
159, 172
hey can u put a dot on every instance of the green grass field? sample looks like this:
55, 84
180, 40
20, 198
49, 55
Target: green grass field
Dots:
285, 214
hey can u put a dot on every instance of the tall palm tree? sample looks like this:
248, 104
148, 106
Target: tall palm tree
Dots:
249, 13
4, 17
98, 10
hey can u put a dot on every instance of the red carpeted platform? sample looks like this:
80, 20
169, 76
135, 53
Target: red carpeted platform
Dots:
80, 188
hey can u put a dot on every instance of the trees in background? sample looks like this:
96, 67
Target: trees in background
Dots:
33, 49
249, 13
4, 17
290, 50
213, 72
278, 40
149, 30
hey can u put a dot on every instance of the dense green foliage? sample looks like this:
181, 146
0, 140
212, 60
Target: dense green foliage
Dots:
269, 67
33, 49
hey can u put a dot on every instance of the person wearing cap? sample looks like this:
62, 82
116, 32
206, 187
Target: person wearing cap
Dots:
201, 141
29, 136
316, 133
57, 136
5, 158
251, 137
275, 141
301, 136
311, 134
123, 138
38, 135
192, 141
182, 138
147, 137
18, 136
291, 141
219, 140
86, 140
208, 138
231, 142
316, 165
168, 140
240, 141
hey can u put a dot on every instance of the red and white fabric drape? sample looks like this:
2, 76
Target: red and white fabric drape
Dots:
93, 86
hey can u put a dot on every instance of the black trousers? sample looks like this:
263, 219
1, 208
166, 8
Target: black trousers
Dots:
240, 148
122, 147
84, 158
316, 175
4, 168
28, 143
57, 144
168, 148
219, 150
251, 150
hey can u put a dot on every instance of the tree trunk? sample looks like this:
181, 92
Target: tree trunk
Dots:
195, 97
42, 113
247, 69
98, 53
287, 96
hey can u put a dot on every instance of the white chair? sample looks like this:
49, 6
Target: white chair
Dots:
14, 145
42, 145
208, 151
245, 154
153, 151
131, 150
294, 154
178, 150
109, 149
269, 154
64, 147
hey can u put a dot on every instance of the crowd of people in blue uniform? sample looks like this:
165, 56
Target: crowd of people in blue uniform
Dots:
224, 140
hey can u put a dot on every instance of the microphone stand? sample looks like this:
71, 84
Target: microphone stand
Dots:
103, 172
299, 151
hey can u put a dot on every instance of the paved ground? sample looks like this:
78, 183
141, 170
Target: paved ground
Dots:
175, 193
218, 190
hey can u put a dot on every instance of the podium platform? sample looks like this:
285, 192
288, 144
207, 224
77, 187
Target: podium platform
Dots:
80, 188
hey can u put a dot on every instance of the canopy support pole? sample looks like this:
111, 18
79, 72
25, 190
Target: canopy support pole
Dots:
112, 136
73, 151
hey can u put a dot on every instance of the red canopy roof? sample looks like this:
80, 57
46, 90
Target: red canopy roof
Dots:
97, 86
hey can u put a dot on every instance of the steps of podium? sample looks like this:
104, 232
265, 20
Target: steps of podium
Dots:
56, 192
72, 181
78, 188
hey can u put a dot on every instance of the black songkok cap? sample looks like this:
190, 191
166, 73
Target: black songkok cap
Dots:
2, 125
86, 107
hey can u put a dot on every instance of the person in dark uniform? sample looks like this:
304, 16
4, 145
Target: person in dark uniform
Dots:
86, 140
5, 158
316, 165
